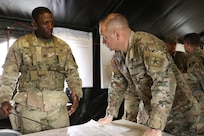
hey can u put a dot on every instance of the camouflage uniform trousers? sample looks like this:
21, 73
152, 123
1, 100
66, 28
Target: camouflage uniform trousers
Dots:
200, 126
57, 118
199, 95
183, 123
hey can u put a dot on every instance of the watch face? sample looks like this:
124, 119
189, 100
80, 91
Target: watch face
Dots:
9, 132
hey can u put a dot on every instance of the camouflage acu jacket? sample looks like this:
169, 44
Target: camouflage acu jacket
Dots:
195, 71
157, 80
42, 66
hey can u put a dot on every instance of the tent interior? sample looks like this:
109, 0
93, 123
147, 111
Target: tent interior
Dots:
76, 22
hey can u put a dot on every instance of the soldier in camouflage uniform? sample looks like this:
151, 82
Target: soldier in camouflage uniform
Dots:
142, 60
130, 100
44, 62
195, 72
180, 58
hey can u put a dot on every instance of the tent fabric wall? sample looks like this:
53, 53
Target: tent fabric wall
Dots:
158, 17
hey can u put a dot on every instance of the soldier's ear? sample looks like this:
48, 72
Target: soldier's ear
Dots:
34, 24
116, 34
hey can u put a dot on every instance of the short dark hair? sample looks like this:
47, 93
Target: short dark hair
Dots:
39, 10
192, 38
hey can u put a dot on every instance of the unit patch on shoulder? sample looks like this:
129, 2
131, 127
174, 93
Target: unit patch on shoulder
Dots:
154, 61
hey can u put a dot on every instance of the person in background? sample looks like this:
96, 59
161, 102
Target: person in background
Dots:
41, 62
180, 58
195, 72
141, 60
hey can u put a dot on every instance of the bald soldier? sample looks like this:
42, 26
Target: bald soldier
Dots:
130, 99
141, 62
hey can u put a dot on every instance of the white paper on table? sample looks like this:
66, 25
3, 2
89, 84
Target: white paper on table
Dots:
93, 128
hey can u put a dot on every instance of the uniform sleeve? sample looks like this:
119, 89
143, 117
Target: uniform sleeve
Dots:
195, 71
10, 74
117, 87
73, 79
196, 65
163, 88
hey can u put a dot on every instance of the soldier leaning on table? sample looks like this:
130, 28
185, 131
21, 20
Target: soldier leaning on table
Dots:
141, 60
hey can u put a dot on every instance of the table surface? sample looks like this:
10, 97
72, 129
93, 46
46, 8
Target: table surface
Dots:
135, 129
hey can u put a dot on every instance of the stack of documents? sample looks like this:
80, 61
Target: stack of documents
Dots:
93, 128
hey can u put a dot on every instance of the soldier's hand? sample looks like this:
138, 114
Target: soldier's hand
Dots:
5, 109
75, 104
152, 132
106, 120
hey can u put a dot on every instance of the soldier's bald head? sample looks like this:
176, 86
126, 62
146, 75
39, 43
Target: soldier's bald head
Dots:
114, 20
